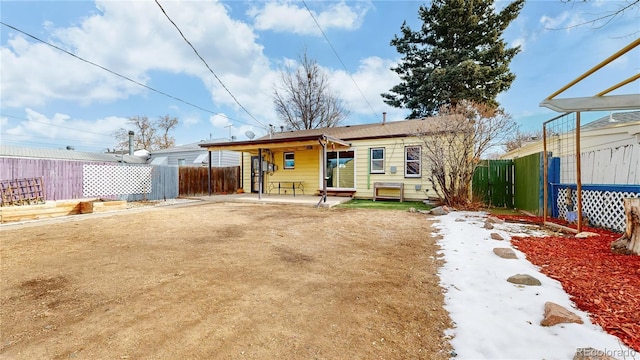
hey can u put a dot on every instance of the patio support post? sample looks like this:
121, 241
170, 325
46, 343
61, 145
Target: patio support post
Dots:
578, 173
260, 173
209, 173
323, 163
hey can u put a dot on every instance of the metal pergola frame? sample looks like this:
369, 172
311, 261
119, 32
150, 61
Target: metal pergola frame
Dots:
599, 102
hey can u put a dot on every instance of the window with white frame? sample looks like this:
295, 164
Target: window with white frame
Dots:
377, 160
413, 161
289, 160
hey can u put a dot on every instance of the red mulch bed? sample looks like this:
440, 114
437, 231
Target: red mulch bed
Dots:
605, 285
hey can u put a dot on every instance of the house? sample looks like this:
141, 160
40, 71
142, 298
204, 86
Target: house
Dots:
610, 150
7, 151
194, 155
354, 160
608, 132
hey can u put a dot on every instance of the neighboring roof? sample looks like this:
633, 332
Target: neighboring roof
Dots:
187, 147
614, 120
58, 154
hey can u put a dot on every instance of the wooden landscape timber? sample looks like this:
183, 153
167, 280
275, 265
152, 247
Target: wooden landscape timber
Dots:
52, 209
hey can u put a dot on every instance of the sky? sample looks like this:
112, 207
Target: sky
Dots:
495, 319
49, 98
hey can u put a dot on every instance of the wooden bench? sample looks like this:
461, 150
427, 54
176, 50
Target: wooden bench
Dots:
377, 186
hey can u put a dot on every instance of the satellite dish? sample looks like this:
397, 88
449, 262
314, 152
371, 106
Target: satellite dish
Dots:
250, 134
233, 138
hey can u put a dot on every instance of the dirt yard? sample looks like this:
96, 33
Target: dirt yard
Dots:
223, 281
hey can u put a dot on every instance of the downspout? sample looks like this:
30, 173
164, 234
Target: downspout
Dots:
323, 163
209, 173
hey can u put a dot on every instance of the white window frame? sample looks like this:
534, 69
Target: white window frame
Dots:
407, 161
284, 160
371, 170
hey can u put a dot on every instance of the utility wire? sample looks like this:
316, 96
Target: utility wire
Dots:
4, 140
207, 65
124, 77
339, 59
54, 125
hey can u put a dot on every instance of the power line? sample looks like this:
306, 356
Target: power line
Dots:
125, 77
54, 125
207, 65
53, 142
339, 59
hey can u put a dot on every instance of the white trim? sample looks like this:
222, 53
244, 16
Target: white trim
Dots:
384, 158
594, 103
412, 176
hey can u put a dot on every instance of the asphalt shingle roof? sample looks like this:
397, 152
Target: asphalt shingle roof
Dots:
58, 154
364, 131
620, 118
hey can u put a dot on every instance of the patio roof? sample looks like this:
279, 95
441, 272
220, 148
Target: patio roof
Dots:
276, 143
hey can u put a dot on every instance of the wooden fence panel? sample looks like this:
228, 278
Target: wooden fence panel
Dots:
617, 166
164, 185
528, 183
493, 183
193, 180
62, 179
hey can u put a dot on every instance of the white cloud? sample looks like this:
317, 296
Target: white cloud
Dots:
40, 128
373, 77
286, 16
123, 40
521, 41
219, 121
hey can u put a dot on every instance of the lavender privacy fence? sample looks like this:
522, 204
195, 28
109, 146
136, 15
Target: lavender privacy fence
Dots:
64, 179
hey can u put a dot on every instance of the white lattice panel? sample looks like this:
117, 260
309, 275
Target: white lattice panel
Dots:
602, 208
103, 180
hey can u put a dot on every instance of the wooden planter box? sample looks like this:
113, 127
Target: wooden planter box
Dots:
58, 208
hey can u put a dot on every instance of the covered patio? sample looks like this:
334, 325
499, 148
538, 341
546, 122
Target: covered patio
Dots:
310, 170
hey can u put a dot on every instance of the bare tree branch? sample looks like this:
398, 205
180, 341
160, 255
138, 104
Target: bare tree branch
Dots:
304, 99
604, 19
455, 142
149, 135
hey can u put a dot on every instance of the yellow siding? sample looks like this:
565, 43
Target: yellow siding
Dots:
394, 156
307, 169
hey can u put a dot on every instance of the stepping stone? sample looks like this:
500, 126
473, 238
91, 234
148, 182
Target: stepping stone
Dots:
586, 234
496, 236
488, 225
440, 210
555, 314
494, 220
505, 253
524, 279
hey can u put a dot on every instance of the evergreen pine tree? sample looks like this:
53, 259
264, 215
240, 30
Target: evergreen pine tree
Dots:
458, 54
